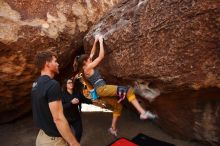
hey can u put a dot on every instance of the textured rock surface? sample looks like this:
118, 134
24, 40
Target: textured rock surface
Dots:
171, 41
30, 26
173, 45
194, 115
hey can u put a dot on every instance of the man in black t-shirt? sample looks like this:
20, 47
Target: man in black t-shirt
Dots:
47, 106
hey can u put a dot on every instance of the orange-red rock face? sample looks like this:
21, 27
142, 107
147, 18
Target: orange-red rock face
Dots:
174, 46
194, 115
27, 27
171, 43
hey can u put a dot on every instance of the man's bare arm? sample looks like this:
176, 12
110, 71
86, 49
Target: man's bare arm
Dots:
61, 122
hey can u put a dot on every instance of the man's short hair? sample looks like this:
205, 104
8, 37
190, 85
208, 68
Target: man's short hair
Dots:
42, 57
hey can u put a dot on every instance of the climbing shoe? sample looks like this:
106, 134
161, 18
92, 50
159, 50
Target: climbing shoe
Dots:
148, 115
113, 131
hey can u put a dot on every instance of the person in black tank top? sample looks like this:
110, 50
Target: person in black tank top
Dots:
86, 65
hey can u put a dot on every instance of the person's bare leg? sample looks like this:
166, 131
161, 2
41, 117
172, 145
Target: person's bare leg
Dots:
113, 129
114, 121
137, 105
143, 113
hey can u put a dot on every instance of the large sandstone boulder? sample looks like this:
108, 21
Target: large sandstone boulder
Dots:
172, 45
194, 115
27, 27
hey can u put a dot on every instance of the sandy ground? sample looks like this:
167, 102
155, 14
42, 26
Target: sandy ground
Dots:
23, 132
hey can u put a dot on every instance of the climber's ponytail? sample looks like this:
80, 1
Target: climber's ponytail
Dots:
79, 62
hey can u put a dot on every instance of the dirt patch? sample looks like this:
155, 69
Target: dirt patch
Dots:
23, 132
